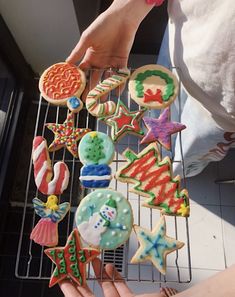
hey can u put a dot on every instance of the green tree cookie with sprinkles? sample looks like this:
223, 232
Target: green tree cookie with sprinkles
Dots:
153, 86
96, 151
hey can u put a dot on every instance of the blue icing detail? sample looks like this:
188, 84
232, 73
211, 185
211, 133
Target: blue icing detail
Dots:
74, 102
98, 170
95, 170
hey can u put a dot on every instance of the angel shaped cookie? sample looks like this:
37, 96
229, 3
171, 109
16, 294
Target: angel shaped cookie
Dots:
45, 232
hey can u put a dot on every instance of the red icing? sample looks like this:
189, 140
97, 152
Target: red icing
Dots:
149, 96
61, 81
47, 176
145, 169
60, 272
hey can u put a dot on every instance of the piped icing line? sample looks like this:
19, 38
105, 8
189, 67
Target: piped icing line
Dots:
141, 77
155, 245
95, 177
71, 260
153, 86
124, 121
66, 135
97, 108
60, 82
45, 232
43, 171
152, 178
161, 129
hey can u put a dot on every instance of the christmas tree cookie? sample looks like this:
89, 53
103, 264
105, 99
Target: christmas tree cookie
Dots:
152, 178
71, 260
155, 245
96, 151
104, 219
153, 86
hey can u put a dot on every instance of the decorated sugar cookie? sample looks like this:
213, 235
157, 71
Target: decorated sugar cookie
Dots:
74, 104
100, 109
152, 178
161, 129
96, 151
43, 171
155, 245
124, 121
104, 219
153, 86
66, 135
45, 232
62, 81
71, 260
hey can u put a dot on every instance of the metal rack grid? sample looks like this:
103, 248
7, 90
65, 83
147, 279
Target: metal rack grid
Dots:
33, 264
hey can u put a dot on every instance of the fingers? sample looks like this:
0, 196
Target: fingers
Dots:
78, 52
167, 292
106, 284
68, 289
119, 283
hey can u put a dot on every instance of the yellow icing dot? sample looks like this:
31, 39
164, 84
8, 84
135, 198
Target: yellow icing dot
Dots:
93, 134
184, 210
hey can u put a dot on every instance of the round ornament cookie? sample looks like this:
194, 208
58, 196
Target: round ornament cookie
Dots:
62, 81
96, 151
153, 86
104, 219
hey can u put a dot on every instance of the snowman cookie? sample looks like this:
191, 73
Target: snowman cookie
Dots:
104, 219
153, 86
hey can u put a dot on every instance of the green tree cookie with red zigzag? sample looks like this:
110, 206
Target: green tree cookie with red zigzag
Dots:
153, 86
152, 178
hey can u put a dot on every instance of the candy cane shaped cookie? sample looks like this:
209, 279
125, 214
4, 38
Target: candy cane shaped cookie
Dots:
43, 171
99, 109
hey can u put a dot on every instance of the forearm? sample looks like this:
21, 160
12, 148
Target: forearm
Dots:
131, 11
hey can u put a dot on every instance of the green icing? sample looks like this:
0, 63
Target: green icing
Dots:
140, 77
94, 149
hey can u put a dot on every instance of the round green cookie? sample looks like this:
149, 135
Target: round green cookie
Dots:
104, 219
96, 148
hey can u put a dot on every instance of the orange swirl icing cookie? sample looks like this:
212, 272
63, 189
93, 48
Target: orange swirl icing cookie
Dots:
60, 82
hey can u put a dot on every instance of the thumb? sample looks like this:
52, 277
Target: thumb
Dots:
78, 52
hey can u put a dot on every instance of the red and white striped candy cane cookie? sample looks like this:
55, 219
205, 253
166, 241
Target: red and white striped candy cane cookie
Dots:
43, 171
100, 109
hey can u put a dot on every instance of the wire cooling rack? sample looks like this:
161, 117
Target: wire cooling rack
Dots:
32, 263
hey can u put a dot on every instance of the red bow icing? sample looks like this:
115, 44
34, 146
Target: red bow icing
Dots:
150, 96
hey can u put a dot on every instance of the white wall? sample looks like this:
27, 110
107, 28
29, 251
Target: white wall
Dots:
45, 30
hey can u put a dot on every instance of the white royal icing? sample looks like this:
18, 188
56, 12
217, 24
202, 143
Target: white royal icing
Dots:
95, 177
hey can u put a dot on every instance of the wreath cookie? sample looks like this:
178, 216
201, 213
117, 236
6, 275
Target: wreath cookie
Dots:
61, 82
104, 219
153, 86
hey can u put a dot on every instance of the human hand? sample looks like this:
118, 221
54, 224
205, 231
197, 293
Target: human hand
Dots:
112, 285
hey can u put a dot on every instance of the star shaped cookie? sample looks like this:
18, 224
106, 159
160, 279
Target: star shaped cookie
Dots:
71, 260
161, 129
155, 245
124, 121
66, 135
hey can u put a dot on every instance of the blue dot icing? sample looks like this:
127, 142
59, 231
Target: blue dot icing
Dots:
74, 102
